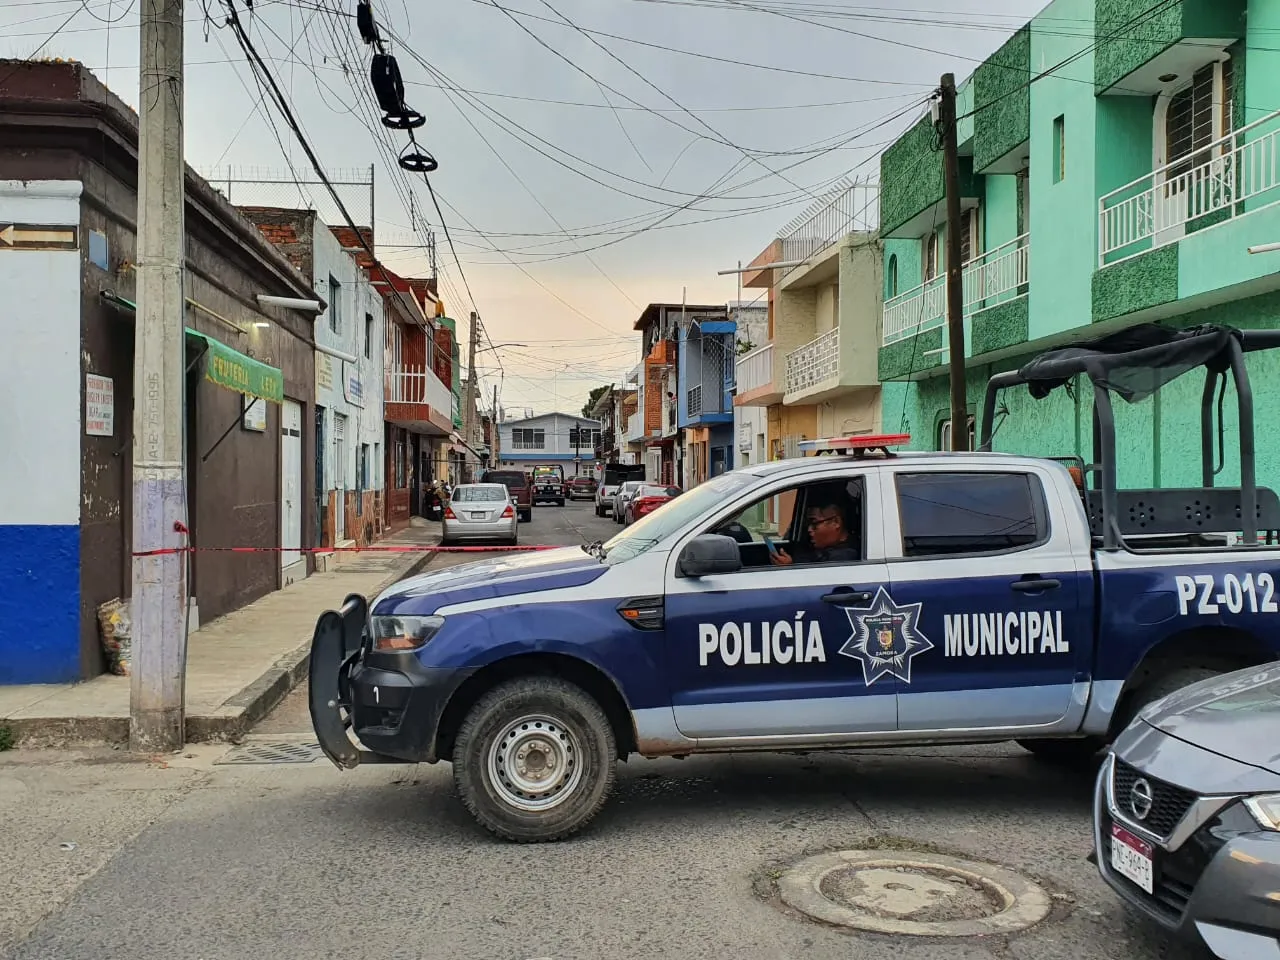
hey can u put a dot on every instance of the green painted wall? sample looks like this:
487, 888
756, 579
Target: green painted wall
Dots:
999, 210
910, 176
999, 327
1136, 284
907, 253
1218, 256
1064, 216
1132, 32
910, 356
1002, 100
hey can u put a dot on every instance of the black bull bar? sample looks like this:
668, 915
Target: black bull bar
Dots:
336, 646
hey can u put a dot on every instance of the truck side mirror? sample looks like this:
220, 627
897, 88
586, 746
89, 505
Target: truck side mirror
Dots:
710, 554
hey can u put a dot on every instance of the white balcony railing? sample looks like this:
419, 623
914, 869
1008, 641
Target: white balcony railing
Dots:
1220, 179
755, 369
814, 363
999, 274
851, 206
419, 385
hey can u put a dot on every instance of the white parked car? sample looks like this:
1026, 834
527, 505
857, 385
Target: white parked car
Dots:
624, 494
480, 511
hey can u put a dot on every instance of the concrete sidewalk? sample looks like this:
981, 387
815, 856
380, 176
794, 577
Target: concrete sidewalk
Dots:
238, 666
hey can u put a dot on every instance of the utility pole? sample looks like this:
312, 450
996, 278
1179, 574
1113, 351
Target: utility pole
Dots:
158, 685
469, 412
955, 269
495, 444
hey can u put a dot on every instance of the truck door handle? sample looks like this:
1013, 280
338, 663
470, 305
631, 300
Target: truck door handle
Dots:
847, 597
1035, 584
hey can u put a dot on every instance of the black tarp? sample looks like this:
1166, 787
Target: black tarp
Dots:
1133, 363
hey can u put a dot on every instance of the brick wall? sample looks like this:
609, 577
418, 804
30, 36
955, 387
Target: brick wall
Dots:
288, 230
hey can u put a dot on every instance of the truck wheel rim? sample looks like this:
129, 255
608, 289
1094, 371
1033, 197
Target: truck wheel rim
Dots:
535, 763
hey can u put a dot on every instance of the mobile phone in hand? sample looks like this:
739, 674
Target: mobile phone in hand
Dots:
773, 548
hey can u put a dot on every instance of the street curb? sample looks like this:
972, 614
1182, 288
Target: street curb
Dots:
241, 712
232, 720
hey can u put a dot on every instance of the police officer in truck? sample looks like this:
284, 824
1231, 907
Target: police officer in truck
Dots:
828, 525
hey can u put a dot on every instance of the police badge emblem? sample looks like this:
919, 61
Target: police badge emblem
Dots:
886, 638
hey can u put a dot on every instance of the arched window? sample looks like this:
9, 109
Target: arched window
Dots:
891, 277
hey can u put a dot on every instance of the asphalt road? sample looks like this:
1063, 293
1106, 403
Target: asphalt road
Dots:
220, 862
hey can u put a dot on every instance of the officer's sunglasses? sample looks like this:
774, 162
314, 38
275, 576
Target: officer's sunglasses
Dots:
814, 522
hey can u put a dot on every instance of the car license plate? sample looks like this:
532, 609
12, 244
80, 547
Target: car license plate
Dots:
1131, 858
477, 514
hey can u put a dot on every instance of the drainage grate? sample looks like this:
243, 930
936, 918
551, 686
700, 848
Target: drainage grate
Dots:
272, 751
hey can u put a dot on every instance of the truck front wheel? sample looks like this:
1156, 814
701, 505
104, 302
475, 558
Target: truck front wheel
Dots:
534, 760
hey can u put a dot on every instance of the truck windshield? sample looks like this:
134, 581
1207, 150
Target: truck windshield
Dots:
649, 531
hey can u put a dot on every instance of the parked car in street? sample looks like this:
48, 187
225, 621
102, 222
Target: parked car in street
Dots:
582, 488
647, 499
615, 475
519, 484
622, 497
1187, 811
480, 511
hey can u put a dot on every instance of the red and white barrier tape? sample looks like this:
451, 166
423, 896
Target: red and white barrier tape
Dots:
372, 548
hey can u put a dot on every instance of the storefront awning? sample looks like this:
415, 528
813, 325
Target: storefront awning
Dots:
226, 366
232, 369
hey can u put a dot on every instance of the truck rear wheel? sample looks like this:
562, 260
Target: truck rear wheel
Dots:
1085, 749
1065, 752
1157, 688
534, 760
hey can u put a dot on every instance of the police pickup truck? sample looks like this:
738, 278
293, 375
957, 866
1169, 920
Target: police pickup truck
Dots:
828, 601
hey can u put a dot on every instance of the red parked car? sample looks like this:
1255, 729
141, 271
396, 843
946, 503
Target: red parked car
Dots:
648, 499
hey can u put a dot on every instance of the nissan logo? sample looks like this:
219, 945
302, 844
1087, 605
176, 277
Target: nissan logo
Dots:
1140, 799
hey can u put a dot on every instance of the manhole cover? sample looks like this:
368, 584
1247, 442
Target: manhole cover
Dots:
272, 751
920, 894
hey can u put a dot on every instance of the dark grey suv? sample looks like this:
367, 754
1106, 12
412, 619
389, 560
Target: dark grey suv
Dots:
1187, 813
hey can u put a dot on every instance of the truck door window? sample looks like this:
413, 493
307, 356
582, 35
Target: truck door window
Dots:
945, 514
792, 531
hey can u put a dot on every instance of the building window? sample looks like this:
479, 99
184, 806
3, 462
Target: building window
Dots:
930, 256
966, 513
335, 305
891, 277
1059, 148
1195, 116
944, 434
368, 336
528, 439
970, 241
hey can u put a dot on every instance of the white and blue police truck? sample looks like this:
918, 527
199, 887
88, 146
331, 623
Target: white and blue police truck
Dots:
968, 597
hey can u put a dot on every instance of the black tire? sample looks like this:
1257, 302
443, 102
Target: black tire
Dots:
527, 516
599, 511
582, 720
1064, 752
1154, 689
560, 503
1083, 750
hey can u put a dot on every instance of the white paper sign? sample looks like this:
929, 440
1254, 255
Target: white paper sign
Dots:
99, 406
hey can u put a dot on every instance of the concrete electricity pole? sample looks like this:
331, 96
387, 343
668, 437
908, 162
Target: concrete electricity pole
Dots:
469, 412
955, 269
494, 444
156, 705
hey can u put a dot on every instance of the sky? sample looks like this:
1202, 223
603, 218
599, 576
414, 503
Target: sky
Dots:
594, 155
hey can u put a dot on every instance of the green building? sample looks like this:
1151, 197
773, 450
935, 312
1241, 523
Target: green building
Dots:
456, 387
1118, 159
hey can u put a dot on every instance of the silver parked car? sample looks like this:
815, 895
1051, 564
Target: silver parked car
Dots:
620, 499
480, 511
1187, 813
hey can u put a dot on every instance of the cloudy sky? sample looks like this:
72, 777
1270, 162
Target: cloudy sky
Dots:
595, 155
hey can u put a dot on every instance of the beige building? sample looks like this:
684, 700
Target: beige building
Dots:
816, 376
